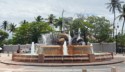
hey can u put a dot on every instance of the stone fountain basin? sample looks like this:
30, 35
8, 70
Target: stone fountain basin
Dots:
77, 58
55, 54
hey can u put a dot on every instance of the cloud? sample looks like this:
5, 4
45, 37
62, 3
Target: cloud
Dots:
18, 10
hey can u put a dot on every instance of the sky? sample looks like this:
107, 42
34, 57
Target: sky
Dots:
15, 11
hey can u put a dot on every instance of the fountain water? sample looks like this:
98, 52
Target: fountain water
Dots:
79, 32
65, 51
44, 39
47, 39
92, 48
32, 48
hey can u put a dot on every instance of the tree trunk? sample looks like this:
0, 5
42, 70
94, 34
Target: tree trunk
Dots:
114, 25
123, 26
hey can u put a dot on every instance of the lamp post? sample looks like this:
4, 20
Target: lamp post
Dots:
62, 21
116, 39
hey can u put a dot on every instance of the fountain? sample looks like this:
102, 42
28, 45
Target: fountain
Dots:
79, 32
92, 48
47, 38
44, 39
32, 49
63, 52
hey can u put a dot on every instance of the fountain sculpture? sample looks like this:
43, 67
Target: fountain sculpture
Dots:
64, 51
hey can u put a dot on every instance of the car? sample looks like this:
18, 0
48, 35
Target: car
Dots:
0, 48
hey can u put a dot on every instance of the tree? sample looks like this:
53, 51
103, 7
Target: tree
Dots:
22, 35
51, 18
12, 27
36, 29
83, 25
68, 22
113, 6
121, 41
101, 28
5, 25
58, 22
3, 36
24, 22
38, 18
30, 32
122, 16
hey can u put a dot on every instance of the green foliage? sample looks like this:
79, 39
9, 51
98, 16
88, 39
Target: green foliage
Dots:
78, 23
51, 19
8, 41
5, 25
24, 22
38, 18
29, 32
83, 25
93, 29
12, 27
122, 16
121, 39
58, 22
113, 6
101, 30
3, 36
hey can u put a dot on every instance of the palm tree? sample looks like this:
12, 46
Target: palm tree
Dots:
24, 22
38, 18
113, 6
59, 23
51, 18
12, 27
122, 16
5, 25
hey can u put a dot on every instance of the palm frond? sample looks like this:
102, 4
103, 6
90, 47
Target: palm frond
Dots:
120, 17
108, 6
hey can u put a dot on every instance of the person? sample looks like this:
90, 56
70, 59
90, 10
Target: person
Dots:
18, 50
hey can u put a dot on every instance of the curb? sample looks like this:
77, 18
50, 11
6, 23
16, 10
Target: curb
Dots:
64, 64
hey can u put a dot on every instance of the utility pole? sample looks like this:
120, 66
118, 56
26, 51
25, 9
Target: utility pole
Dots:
62, 21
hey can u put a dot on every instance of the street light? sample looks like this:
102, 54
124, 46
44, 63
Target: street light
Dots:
116, 39
63, 20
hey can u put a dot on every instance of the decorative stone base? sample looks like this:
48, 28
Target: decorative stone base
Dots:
58, 49
54, 54
84, 58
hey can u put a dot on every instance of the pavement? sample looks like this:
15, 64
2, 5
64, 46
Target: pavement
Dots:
93, 68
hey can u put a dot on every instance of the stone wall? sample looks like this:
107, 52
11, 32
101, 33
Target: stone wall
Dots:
104, 47
79, 49
13, 48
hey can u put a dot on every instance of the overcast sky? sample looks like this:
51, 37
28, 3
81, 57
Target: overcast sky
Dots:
18, 10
